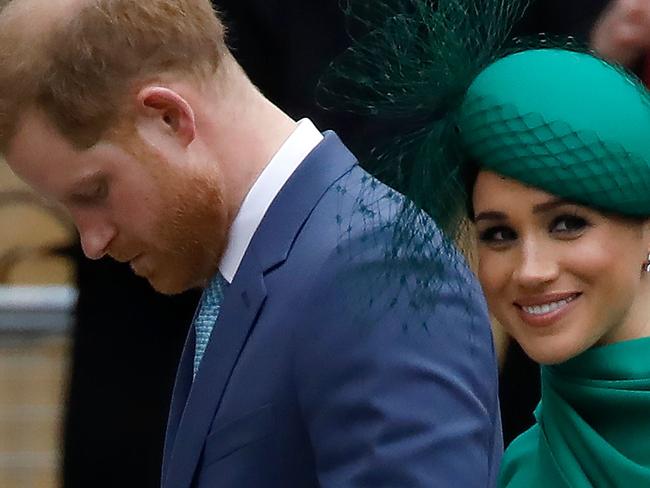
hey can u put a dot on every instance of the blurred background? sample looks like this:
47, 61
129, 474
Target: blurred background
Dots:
37, 297
88, 352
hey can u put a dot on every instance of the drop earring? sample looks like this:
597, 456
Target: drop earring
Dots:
646, 265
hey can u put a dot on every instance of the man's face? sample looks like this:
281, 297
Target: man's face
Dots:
165, 217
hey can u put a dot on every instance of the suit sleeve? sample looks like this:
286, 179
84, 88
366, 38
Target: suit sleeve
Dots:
392, 395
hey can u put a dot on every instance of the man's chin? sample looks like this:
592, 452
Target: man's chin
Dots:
168, 280
170, 288
171, 285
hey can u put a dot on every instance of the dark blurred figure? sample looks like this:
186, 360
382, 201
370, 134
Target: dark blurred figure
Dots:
118, 395
622, 34
285, 46
559, 17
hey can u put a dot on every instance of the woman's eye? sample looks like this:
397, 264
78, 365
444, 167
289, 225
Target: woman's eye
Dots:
497, 235
568, 224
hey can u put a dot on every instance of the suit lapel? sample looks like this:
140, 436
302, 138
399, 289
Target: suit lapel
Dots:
242, 303
190, 420
328, 162
182, 386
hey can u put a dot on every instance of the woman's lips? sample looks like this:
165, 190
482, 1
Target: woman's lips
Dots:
545, 310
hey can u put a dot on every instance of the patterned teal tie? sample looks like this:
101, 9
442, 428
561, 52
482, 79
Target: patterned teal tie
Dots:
207, 316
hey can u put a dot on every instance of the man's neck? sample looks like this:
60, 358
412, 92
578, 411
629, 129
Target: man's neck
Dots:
247, 130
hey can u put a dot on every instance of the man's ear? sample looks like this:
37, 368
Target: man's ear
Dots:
168, 111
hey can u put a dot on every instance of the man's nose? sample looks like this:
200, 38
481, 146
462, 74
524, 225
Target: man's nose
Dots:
96, 237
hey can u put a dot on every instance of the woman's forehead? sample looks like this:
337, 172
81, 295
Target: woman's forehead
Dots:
491, 187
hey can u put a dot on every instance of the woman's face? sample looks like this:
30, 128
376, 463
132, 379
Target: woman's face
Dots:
559, 277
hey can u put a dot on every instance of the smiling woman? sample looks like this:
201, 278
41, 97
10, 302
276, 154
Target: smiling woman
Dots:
558, 141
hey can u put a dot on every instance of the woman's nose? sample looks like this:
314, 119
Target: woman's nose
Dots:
537, 265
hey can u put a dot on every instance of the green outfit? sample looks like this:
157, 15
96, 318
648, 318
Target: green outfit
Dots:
593, 423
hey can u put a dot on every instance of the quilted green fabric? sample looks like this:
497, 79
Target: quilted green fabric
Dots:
565, 122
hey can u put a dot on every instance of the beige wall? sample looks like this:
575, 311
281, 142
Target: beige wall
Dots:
32, 388
23, 225
33, 368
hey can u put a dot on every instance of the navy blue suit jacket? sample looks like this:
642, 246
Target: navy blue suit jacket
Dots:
306, 383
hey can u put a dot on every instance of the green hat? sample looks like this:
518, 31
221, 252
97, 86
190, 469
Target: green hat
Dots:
565, 122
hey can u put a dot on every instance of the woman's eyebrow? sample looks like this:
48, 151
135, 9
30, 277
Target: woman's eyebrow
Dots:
550, 205
490, 215
539, 208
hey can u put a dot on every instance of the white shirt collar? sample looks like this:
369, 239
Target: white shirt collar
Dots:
293, 151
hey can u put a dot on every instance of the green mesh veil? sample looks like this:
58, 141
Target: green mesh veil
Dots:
411, 71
